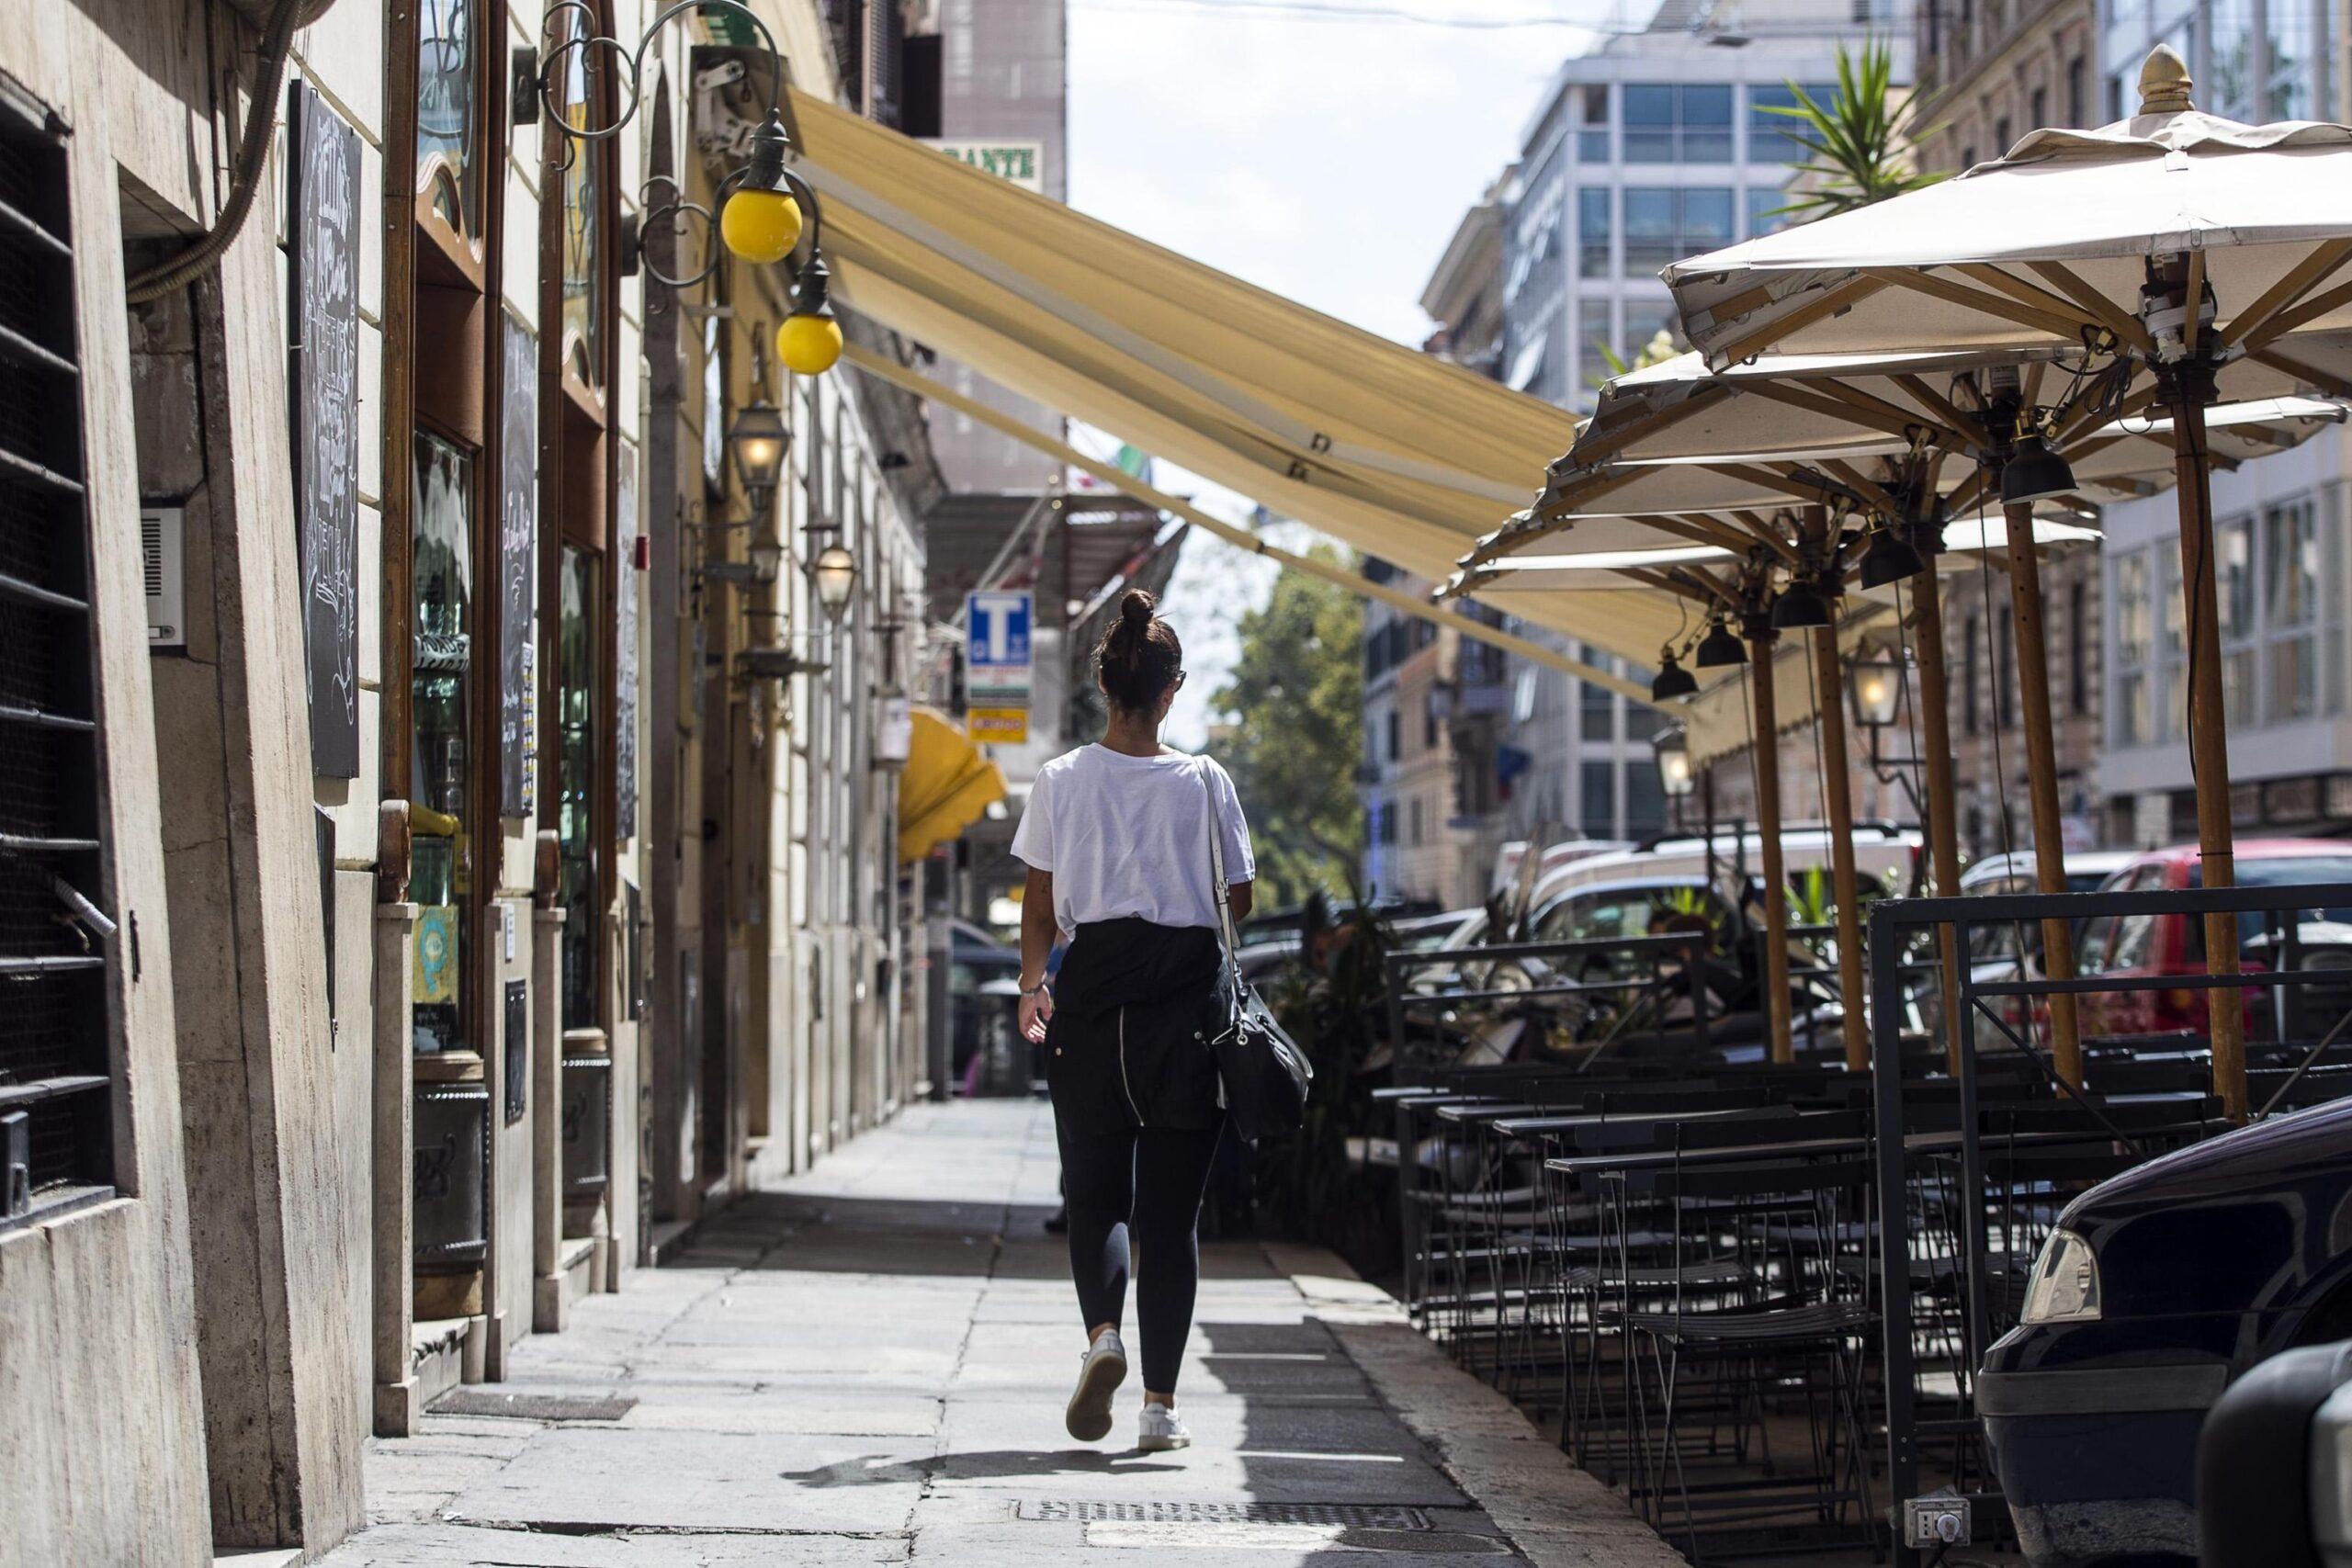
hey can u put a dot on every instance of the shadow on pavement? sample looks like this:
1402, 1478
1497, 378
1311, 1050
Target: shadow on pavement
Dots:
880, 1469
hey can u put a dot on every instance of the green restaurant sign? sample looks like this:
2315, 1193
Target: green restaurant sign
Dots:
1023, 162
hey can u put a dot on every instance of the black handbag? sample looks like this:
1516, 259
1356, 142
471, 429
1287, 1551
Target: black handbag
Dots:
1262, 1076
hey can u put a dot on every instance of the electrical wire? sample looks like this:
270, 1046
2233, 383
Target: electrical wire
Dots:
253, 154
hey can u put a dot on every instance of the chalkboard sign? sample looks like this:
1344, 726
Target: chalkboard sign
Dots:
518, 578
323, 269
625, 652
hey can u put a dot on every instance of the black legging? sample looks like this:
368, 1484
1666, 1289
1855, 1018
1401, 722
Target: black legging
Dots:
1148, 1180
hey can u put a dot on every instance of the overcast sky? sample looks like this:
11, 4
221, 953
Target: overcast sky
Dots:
1327, 157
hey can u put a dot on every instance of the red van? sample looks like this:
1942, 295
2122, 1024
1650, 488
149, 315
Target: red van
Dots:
2174, 943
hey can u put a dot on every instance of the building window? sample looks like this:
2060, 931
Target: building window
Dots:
2005, 673
2078, 647
1666, 223
1772, 137
2172, 648
2075, 106
2134, 722
578, 656
448, 115
582, 220
1645, 322
1592, 139
1690, 124
1597, 809
1429, 723
1597, 711
1764, 204
2290, 549
56, 1048
2001, 136
441, 703
1416, 804
1396, 737
2233, 584
1645, 799
2297, 37
1592, 231
1970, 640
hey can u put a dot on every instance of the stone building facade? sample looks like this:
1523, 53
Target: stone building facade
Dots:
456, 849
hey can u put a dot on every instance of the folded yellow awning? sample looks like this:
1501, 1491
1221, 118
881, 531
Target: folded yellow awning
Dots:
946, 786
1396, 453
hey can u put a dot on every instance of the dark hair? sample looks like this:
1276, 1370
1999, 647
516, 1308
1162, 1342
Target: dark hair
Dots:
1139, 656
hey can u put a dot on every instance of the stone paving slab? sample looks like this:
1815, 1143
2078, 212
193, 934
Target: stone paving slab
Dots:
868, 1366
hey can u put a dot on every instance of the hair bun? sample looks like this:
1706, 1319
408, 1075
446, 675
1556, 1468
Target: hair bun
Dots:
1136, 609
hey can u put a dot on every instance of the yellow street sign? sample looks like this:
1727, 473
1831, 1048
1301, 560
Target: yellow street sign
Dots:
997, 727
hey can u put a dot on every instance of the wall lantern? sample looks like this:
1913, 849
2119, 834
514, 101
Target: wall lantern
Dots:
1672, 749
759, 440
1874, 689
835, 576
768, 214
763, 559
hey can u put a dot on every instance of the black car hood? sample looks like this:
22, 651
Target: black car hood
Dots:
2255, 1158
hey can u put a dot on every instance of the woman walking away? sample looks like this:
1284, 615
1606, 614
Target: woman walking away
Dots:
1116, 839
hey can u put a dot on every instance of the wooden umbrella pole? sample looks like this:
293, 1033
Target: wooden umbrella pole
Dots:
1837, 783
2188, 386
1943, 826
1767, 832
2041, 782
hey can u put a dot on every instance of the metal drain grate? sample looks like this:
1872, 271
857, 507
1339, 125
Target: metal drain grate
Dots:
1344, 1516
531, 1406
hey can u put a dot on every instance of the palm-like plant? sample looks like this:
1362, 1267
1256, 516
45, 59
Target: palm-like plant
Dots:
1857, 145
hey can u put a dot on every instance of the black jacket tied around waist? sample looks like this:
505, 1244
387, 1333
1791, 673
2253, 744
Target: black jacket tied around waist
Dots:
1127, 1045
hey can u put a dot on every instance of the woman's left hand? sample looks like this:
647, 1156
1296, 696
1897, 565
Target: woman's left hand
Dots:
1036, 1011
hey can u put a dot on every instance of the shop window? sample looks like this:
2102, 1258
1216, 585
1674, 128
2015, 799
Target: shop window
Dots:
440, 703
58, 953
448, 123
578, 654
583, 226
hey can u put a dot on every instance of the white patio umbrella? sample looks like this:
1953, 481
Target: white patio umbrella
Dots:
2176, 243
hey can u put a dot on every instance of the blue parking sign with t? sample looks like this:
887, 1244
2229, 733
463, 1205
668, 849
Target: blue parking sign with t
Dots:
996, 630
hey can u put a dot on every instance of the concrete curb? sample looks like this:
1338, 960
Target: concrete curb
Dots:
1555, 1514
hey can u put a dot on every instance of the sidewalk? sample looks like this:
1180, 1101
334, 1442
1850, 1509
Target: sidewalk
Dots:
868, 1366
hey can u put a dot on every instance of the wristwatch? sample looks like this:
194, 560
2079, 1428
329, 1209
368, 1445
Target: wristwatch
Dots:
1042, 989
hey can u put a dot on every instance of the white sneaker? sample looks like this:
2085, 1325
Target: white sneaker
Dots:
1159, 1430
1100, 1372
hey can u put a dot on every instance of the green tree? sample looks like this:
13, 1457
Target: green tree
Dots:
1857, 146
1291, 719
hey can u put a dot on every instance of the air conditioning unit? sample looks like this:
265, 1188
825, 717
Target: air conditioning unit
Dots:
162, 535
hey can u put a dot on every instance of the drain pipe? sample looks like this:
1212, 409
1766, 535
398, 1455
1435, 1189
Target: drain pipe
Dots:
205, 254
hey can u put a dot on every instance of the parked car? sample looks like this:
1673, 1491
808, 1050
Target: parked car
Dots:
974, 960
1632, 908
1999, 954
2157, 1289
2174, 943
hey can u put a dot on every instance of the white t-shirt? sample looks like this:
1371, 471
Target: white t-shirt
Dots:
1127, 835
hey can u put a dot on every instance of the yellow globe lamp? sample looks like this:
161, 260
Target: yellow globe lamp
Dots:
809, 344
761, 226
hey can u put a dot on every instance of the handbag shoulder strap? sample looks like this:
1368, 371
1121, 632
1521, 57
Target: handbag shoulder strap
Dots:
1218, 890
